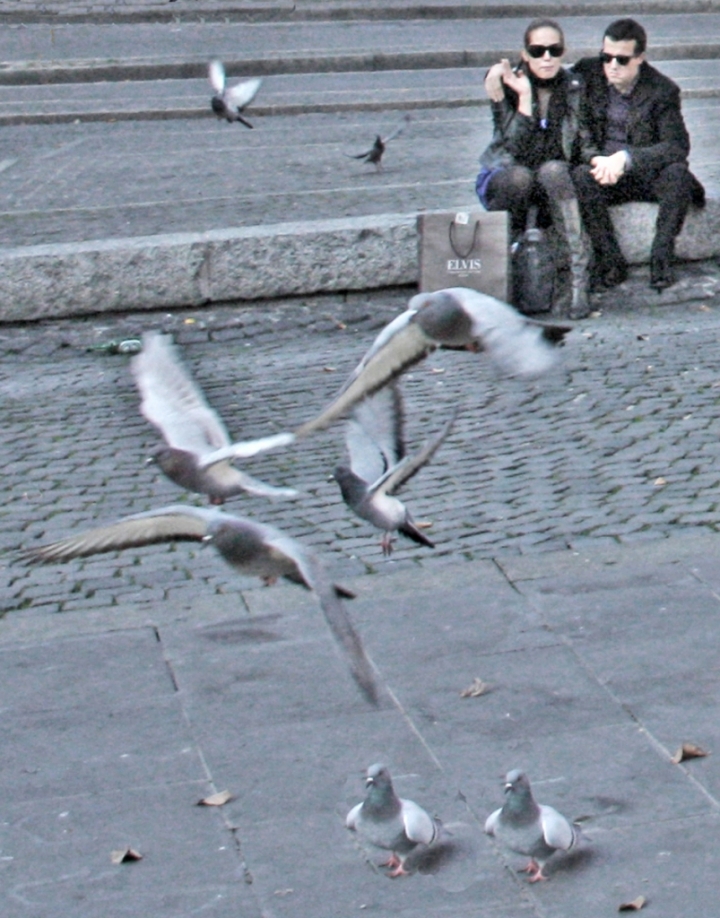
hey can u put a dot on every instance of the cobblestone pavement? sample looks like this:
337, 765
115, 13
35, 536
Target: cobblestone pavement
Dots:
618, 444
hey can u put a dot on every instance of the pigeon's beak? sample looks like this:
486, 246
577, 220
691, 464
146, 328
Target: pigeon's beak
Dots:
369, 782
206, 540
150, 460
507, 787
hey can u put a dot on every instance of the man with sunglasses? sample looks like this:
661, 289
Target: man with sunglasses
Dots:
634, 148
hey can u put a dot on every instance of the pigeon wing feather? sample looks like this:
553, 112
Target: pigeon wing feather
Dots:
374, 434
411, 465
384, 362
242, 94
312, 573
172, 401
556, 830
216, 75
169, 524
419, 826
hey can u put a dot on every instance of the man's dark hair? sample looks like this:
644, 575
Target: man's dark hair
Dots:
542, 24
627, 30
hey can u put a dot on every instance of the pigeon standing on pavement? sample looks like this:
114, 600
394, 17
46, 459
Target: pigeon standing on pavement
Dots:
387, 821
230, 102
375, 154
526, 827
199, 452
456, 318
379, 465
249, 547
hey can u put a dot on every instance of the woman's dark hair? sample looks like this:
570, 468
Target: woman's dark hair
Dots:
627, 30
542, 24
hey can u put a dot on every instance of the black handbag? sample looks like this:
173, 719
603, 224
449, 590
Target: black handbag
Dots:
533, 269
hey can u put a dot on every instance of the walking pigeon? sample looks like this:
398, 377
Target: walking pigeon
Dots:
249, 547
456, 318
199, 453
526, 827
379, 465
229, 103
387, 821
375, 154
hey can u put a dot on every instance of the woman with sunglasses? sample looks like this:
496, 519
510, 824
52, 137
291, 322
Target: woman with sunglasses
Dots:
535, 110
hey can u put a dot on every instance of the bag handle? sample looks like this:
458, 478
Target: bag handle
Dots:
472, 244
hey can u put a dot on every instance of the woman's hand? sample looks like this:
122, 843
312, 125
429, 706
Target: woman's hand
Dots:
516, 80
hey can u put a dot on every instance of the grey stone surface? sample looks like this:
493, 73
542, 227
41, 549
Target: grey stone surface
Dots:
195, 269
132, 685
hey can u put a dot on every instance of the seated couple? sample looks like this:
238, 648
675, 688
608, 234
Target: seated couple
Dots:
574, 142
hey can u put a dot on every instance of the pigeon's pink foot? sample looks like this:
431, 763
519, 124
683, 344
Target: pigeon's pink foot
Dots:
536, 870
387, 544
392, 861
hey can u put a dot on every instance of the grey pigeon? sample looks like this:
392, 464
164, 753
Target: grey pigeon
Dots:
379, 465
199, 452
526, 827
387, 821
230, 102
375, 154
456, 318
249, 547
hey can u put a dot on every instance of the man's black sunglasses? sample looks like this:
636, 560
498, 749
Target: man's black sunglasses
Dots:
622, 59
556, 50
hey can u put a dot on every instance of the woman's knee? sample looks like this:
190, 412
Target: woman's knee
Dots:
555, 177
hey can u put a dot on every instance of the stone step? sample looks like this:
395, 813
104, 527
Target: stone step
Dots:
452, 87
161, 11
59, 54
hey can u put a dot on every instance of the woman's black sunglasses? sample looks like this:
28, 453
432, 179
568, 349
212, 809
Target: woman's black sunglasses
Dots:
622, 59
556, 50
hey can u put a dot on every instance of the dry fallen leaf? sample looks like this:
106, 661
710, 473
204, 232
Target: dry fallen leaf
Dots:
283, 892
633, 906
660, 481
423, 524
329, 369
123, 855
219, 799
475, 689
437, 370
688, 751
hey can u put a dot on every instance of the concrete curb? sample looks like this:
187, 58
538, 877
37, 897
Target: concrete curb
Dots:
24, 12
285, 259
192, 269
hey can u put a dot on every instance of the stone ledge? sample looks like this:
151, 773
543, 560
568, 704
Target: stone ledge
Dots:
286, 259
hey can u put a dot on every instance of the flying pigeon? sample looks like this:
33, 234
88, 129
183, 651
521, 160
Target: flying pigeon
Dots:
249, 547
529, 828
456, 318
387, 821
199, 454
379, 465
375, 154
230, 103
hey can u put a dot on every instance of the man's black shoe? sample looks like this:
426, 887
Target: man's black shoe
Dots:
601, 279
662, 274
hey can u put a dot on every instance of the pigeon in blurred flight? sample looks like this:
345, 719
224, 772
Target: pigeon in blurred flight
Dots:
231, 102
379, 465
456, 318
247, 546
199, 453
375, 154
529, 828
387, 821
